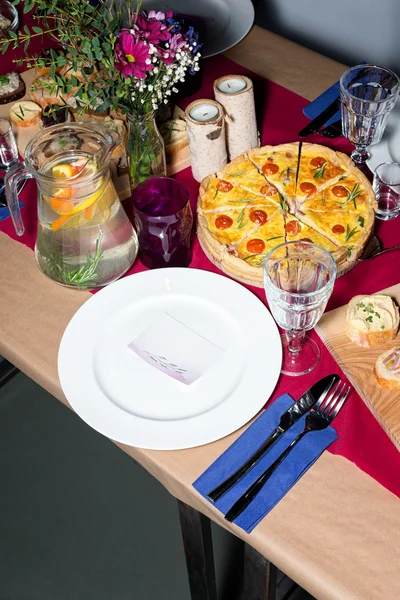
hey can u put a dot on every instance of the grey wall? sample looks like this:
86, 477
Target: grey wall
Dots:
351, 31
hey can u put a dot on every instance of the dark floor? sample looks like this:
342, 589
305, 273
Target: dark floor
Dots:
80, 520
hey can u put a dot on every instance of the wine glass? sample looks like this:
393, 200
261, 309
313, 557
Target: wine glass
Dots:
368, 93
298, 281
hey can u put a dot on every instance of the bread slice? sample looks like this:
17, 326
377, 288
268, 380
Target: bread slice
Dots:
174, 135
25, 113
387, 369
12, 88
45, 90
372, 320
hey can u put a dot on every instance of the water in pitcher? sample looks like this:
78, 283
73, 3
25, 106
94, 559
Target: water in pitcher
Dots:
84, 237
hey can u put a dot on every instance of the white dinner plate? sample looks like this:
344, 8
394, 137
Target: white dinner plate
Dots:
225, 22
123, 397
388, 149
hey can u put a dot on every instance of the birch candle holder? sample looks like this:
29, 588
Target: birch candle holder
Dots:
236, 94
206, 133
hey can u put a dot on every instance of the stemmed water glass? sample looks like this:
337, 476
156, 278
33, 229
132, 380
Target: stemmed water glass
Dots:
298, 281
368, 93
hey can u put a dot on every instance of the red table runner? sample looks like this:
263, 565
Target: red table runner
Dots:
361, 439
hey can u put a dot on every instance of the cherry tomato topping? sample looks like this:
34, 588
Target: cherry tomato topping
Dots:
338, 229
318, 161
270, 168
224, 186
340, 191
308, 188
258, 216
289, 155
268, 190
306, 240
293, 227
255, 246
223, 222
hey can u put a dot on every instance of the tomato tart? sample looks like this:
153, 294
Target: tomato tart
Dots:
275, 194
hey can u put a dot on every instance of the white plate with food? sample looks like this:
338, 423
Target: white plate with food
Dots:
388, 149
124, 397
225, 22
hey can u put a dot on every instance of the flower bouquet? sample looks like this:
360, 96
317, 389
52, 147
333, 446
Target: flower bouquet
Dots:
115, 57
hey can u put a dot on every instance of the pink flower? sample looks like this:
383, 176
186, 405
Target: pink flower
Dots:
151, 30
131, 56
159, 16
176, 42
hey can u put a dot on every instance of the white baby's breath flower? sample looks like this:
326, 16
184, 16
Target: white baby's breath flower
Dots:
142, 101
150, 87
155, 70
175, 90
132, 31
155, 59
166, 55
148, 61
165, 101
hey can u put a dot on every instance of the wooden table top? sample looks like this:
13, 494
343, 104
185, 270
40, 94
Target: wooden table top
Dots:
336, 531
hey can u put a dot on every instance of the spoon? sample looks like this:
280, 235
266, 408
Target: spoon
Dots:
374, 249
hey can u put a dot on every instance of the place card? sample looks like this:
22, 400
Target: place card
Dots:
176, 350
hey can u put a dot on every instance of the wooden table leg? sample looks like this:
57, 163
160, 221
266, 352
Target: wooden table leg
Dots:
197, 542
259, 576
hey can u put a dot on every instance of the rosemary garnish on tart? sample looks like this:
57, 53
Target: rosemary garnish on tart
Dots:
352, 195
319, 171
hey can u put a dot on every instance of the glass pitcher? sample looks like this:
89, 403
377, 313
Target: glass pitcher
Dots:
84, 237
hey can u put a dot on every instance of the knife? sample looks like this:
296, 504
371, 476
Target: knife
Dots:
321, 119
317, 392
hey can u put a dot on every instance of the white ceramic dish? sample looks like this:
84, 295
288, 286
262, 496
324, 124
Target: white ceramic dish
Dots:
226, 22
123, 397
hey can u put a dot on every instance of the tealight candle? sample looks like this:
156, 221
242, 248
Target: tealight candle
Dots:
204, 112
235, 93
205, 126
233, 85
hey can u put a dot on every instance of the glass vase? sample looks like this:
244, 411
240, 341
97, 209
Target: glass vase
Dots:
145, 148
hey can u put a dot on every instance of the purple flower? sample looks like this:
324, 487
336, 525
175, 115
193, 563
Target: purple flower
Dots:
131, 56
177, 41
151, 30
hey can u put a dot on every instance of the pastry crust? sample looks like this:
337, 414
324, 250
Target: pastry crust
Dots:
249, 183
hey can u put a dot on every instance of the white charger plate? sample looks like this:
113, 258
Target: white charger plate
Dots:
123, 397
388, 149
226, 22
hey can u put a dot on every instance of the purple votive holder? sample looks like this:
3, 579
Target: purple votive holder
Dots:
164, 221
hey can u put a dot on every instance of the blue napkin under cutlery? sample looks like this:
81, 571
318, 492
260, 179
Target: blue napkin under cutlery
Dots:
300, 459
316, 107
5, 213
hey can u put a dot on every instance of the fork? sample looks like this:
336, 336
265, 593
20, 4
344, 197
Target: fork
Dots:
320, 417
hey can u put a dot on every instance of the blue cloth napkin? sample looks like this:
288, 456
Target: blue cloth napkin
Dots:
313, 109
304, 454
5, 213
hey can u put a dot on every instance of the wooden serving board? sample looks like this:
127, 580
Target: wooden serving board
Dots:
358, 364
23, 135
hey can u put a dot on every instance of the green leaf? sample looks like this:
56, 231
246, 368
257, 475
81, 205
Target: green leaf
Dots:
361, 221
4, 46
237, 174
350, 233
37, 29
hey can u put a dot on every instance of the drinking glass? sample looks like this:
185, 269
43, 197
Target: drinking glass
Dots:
386, 186
164, 220
8, 146
368, 93
298, 281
